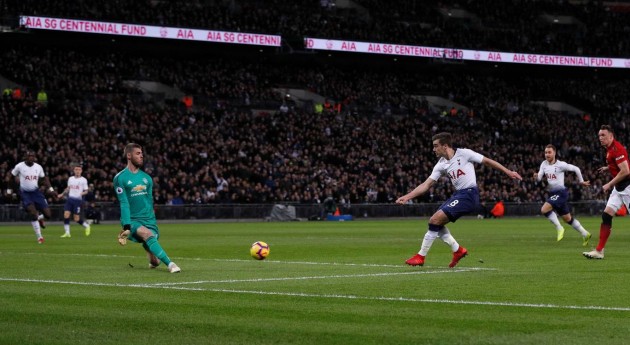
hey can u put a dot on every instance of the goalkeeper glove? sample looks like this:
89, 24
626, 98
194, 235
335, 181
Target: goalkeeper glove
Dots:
124, 234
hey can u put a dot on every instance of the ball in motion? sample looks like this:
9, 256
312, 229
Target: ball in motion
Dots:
259, 250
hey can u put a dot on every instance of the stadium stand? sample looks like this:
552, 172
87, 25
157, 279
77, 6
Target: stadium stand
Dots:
270, 148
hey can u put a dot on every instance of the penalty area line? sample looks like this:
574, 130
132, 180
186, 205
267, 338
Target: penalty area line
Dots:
364, 275
333, 296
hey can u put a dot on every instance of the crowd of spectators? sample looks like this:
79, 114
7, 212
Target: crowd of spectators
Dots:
373, 148
228, 154
590, 28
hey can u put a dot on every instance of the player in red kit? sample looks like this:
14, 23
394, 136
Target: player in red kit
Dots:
617, 159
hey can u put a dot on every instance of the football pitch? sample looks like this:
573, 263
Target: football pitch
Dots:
323, 283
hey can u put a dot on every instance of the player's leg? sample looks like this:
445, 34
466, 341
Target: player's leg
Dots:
33, 214
81, 221
604, 232
446, 237
463, 202
458, 251
66, 222
569, 219
150, 238
435, 225
42, 205
612, 206
154, 262
547, 211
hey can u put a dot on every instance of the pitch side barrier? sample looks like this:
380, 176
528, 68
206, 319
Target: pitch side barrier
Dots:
111, 212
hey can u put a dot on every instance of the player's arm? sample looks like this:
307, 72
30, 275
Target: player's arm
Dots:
624, 172
538, 176
64, 193
578, 173
14, 184
49, 190
150, 191
498, 166
421, 189
125, 212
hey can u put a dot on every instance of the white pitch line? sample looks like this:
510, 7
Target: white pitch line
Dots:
258, 280
328, 296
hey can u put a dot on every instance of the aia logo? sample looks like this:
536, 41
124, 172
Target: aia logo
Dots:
551, 176
454, 175
30, 177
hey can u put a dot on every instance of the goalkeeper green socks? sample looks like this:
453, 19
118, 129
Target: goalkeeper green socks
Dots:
156, 249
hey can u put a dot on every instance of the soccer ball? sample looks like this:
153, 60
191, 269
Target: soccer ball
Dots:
259, 250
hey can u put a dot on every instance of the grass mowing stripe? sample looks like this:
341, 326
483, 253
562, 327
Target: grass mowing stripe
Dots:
541, 291
143, 257
354, 297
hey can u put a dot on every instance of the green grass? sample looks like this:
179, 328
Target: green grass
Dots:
324, 283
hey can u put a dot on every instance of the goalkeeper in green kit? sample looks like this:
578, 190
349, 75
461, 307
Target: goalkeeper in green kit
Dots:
134, 189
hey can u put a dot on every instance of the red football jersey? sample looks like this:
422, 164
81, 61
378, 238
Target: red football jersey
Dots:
615, 155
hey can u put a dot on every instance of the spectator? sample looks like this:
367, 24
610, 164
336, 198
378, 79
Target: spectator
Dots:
498, 210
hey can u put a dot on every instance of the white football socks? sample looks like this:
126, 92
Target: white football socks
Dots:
36, 228
553, 218
427, 242
578, 227
445, 235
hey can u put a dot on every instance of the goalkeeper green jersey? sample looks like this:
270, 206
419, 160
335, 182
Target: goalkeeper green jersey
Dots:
135, 195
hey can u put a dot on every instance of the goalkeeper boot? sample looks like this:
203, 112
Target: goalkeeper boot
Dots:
173, 268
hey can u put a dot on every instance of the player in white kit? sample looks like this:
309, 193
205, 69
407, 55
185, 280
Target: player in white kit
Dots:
558, 200
28, 175
457, 164
76, 189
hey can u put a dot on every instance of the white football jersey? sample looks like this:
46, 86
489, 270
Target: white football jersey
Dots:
76, 186
555, 173
459, 169
29, 176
